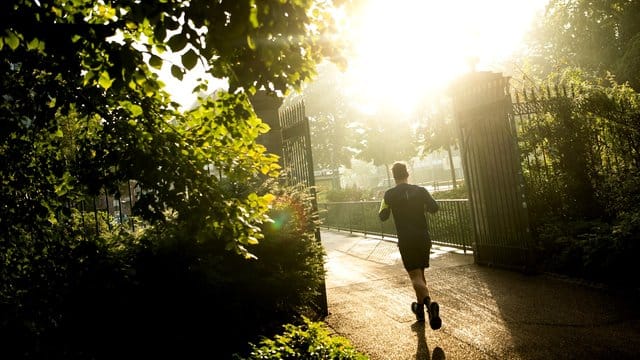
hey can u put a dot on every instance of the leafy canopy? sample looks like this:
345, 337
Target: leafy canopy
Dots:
599, 36
83, 109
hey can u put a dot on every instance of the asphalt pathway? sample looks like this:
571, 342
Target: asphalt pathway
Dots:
487, 313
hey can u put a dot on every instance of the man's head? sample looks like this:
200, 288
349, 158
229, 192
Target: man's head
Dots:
400, 173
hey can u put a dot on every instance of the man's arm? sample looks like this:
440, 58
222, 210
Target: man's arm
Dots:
384, 211
430, 205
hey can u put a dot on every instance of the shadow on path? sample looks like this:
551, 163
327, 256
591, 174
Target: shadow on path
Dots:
487, 313
422, 352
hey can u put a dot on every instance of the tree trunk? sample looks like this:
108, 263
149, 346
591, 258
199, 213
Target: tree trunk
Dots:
386, 166
453, 170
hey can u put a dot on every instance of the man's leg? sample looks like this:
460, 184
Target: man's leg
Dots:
419, 284
420, 288
424, 300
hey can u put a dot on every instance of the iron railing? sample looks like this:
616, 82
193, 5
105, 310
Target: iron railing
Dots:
451, 225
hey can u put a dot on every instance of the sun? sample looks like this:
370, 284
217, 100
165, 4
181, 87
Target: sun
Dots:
405, 49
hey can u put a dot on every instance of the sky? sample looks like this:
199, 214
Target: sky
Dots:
416, 46
420, 46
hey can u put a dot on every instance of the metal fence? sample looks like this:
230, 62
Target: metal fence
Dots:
106, 212
570, 146
451, 225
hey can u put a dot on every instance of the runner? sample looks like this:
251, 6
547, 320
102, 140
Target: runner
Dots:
408, 204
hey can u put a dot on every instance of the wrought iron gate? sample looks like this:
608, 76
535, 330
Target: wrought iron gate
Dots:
298, 164
491, 162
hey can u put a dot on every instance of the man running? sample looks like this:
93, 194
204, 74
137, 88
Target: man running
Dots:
409, 203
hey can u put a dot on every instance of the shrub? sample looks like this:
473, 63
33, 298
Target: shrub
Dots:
458, 193
169, 293
311, 340
348, 194
200, 299
593, 250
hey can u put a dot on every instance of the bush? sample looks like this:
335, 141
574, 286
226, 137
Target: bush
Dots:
212, 301
458, 193
311, 340
594, 250
169, 293
348, 194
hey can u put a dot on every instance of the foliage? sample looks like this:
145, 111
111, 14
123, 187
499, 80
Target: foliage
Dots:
62, 298
580, 162
598, 36
460, 192
594, 250
83, 108
628, 65
310, 340
352, 193
83, 111
163, 294
385, 137
438, 133
330, 113
211, 290
577, 148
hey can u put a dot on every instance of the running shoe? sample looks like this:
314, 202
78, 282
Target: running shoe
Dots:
418, 309
434, 316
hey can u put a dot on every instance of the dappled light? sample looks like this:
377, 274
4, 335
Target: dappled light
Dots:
169, 169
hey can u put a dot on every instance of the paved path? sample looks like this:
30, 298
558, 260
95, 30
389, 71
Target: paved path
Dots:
487, 313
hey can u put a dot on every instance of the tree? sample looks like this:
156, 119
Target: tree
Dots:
83, 69
330, 114
82, 110
438, 133
597, 36
385, 137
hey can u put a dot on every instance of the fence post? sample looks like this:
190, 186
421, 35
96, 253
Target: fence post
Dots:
350, 223
130, 206
95, 213
106, 200
459, 216
364, 219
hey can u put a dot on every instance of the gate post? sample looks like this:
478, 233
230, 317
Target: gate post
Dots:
297, 159
492, 169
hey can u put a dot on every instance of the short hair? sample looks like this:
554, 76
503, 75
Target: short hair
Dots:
399, 170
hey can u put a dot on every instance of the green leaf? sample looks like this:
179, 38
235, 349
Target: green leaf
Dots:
190, 59
171, 24
251, 43
160, 32
177, 72
253, 16
155, 61
87, 77
136, 110
12, 40
251, 240
177, 42
33, 44
105, 80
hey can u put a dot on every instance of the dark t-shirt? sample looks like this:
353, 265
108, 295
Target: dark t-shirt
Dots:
408, 204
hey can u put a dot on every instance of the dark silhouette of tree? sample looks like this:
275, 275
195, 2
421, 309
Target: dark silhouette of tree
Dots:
437, 132
330, 113
385, 137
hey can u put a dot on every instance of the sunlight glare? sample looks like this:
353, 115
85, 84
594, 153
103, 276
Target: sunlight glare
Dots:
406, 48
